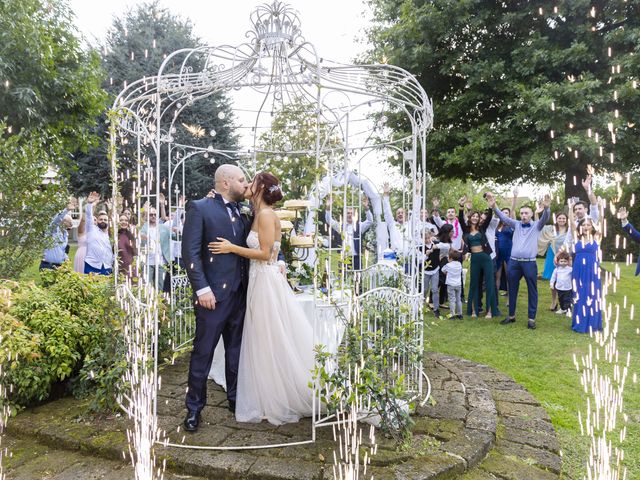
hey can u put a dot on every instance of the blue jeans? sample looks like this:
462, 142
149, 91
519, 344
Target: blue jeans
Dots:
98, 271
432, 282
515, 271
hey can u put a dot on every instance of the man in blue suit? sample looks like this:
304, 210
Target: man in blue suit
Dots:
633, 233
219, 283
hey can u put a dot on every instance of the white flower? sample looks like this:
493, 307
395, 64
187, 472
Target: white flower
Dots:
244, 210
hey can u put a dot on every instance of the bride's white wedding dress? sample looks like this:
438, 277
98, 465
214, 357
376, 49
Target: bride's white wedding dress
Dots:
276, 357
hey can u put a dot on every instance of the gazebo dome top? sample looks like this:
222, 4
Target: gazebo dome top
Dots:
275, 24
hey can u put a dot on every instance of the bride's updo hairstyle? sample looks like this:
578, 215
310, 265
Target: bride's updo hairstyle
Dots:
270, 186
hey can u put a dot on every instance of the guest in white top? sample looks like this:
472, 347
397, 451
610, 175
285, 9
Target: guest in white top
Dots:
155, 240
99, 256
453, 271
452, 219
561, 281
352, 229
580, 212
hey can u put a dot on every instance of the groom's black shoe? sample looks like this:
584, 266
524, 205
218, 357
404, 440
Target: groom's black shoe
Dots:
507, 321
232, 406
192, 421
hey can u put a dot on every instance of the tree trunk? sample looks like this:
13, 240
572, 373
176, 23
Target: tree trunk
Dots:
574, 174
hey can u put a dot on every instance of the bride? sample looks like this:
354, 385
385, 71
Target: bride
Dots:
276, 354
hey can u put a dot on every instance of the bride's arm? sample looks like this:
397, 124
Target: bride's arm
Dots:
267, 234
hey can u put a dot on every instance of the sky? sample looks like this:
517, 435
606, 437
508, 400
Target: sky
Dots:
334, 27
331, 25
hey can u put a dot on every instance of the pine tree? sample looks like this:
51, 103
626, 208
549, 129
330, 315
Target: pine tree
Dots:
135, 48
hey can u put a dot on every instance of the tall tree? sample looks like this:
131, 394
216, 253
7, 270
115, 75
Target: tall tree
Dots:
135, 47
50, 97
293, 139
520, 88
48, 82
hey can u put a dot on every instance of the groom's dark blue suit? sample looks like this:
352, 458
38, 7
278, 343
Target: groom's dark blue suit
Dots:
227, 276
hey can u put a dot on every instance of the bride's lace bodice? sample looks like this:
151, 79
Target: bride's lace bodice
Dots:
253, 242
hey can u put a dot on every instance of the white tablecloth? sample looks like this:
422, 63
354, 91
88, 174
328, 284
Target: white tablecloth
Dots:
328, 329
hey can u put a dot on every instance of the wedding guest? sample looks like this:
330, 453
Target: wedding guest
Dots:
523, 256
504, 243
81, 251
488, 224
453, 272
400, 230
444, 246
126, 246
587, 285
176, 224
623, 216
58, 239
561, 282
99, 256
579, 210
353, 230
155, 240
423, 223
429, 253
552, 239
450, 219
476, 242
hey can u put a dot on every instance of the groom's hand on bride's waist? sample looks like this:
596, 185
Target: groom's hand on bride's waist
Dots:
207, 300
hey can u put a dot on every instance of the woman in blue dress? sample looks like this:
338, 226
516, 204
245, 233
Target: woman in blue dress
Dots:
553, 235
587, 285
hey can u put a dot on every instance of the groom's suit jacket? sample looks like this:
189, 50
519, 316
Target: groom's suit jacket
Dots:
206, 220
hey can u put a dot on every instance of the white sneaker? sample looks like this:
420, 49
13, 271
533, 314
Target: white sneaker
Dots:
569, 313
560, 312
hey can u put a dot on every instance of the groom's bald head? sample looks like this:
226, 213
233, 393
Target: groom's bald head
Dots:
230, 182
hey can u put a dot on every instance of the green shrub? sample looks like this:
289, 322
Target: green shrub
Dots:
68, 329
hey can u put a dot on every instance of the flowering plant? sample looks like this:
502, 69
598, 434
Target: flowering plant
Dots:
300, 271
245, 210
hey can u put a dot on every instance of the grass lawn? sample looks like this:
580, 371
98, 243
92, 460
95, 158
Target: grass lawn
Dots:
542, 361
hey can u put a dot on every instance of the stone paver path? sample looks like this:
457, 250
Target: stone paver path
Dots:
479, 424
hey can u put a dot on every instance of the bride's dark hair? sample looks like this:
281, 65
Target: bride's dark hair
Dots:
270, 186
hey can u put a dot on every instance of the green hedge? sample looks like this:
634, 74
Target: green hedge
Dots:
66, 331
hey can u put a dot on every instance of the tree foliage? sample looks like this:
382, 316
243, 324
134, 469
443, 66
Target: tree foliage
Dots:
294, 130
48, 81
26, 206
50, 97
519, 88
135, 47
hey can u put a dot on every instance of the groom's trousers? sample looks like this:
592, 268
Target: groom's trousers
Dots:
227, 319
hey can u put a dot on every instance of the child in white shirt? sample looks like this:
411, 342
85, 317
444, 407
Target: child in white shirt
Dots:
453, 270
561, 282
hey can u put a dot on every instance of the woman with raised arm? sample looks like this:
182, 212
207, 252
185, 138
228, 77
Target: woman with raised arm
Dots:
552, 238
78, 259
276, 354
587, 284
476, 242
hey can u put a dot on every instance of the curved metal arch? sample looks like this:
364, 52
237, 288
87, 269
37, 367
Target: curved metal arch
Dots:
297, 72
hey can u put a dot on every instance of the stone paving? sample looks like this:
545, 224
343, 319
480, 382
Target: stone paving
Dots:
478, 424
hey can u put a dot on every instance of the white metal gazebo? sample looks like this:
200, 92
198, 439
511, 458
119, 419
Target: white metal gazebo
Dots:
276, 68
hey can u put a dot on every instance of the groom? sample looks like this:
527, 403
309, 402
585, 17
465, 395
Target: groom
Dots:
219, 283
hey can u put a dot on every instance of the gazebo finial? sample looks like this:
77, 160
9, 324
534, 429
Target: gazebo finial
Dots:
275, 24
